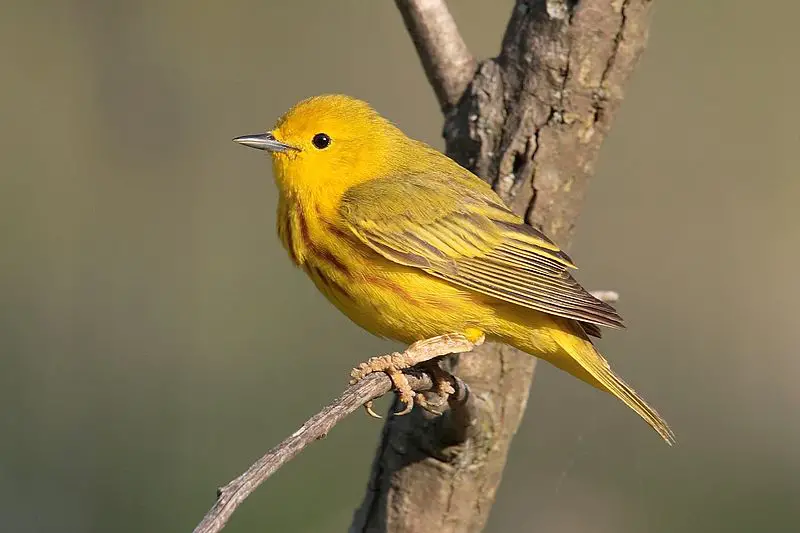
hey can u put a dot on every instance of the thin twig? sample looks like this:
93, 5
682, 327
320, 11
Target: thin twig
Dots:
445, 57
608, 297
317, 427
234, 493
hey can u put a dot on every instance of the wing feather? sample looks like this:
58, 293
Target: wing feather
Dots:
462, 232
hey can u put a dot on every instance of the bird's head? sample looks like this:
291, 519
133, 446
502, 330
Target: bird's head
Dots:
326, 144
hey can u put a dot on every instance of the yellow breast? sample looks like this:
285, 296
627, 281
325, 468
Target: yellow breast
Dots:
386, 299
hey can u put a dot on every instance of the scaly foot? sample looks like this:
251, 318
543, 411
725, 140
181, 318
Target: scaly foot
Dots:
419, 352
442, 388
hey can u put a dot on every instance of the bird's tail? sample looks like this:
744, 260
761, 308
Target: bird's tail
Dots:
579, 357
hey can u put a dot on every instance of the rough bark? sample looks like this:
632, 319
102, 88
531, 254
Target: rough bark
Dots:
531, 122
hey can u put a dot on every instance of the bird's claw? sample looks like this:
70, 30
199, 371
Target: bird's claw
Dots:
407, 409
391, 365
409, 405
442, 388
432, 407
370, 411
424, 351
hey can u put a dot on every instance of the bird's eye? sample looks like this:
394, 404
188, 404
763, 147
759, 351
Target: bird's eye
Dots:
321, 141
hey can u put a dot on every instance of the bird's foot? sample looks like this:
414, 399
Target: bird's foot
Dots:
442, 388
393, 365
419, 352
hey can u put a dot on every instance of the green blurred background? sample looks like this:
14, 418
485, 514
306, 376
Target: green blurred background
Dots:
154, 338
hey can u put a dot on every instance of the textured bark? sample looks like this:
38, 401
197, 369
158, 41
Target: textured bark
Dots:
531, 122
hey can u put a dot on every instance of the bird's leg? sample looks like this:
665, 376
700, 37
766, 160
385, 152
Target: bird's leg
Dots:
419, 352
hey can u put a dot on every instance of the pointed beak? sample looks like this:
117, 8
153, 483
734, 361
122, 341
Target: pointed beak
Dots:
264, 141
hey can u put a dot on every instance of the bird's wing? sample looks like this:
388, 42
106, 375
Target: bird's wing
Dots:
460, 231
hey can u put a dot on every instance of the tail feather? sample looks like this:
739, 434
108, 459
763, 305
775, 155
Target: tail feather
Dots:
585, 362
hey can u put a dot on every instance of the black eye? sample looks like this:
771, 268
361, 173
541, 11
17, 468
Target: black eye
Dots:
321, 141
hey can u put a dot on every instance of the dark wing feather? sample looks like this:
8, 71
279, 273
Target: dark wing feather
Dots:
459, 230
592, 330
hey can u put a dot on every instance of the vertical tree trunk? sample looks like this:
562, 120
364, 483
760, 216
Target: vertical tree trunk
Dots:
531, 122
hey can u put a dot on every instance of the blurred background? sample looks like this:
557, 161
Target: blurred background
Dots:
155, 340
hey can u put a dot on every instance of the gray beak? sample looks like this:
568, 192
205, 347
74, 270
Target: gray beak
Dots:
264, 141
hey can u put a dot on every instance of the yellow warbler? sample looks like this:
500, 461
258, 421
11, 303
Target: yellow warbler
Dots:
411, 246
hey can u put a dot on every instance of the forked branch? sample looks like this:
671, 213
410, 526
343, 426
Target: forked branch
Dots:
445, 57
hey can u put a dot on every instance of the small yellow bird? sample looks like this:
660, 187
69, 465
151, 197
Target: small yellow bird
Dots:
411, 246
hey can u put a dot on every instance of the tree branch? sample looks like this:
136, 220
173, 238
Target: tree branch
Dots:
445, 57
608, 297
362, 392
318, 426
531, 122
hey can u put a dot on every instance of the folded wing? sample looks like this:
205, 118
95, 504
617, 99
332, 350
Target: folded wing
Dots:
459, 230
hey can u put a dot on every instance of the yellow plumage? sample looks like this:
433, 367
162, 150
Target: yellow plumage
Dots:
410, 245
